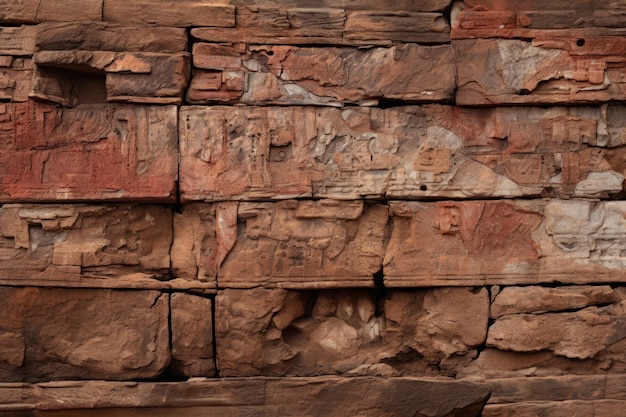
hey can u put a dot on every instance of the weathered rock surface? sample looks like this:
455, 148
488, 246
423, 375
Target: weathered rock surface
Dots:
532, 299
309, 397
351, 24
16, 69
549, 70
192, 335
527, 19
279, 332
85, 245
34, 11
291, 244
93, 152
404, 152
506, 242
83, 334
169, 13
266, 74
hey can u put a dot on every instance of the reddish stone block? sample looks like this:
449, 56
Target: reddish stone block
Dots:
329, 76
505, 242
34, 11
169, 13
92, 152
555, 70
405, 152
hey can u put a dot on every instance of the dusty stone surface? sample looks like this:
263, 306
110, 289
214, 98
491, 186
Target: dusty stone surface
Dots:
403, 152
278, 332
512, 300
550, 70
260, 397
68, 244
192, 335
34, 11
508, 242
267, 74
94, 152
291, 244
169, 13
83, 334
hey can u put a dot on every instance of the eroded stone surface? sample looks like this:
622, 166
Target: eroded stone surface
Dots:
69, 244
292, 244
404, 152
169, 13
548, 70
512, 242
331, 76
83, 334
33, 11
192, 335
279, 332
93, 152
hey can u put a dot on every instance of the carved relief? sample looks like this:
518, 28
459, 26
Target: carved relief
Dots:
405, 152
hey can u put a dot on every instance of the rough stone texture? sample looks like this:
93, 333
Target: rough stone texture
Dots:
511, 300
508, 242
192, 335
550, 70
76, 245
309, 397
291, 244
93, 152
34, 11
527, 19
83, 334
403, 152
268, 74
169, 13
334, 26
279, 332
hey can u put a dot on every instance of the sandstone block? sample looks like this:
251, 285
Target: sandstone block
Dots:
34, 11
85, 245
17, 40
277, 332
103, 36
291, 244
404, 152
73, 77
301, 397
532, 299
169, 13
404, 5
526, 19
328, 76
397, 26
512, 242
77, 333
192, 335
93, 152
15, 78
549, 70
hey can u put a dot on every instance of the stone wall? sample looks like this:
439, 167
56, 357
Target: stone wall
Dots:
299, 208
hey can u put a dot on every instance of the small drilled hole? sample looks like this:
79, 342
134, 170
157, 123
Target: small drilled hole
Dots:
423, 187
270, 53
580, 42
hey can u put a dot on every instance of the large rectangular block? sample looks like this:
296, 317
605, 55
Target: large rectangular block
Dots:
291, 244
93, 152
350, 25
403, 152
82, 334
508, 242
169, 13
321, 76
527, 19
34, 11
277, 332
106, 246
555, 69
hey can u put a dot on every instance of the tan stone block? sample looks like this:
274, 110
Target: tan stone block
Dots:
82, 334
555, 70
93, 152
17, 41
192, 335
84, 245
34, 11
508, 242
405, 152
332, 76
15, 79
397, 26
169, 13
